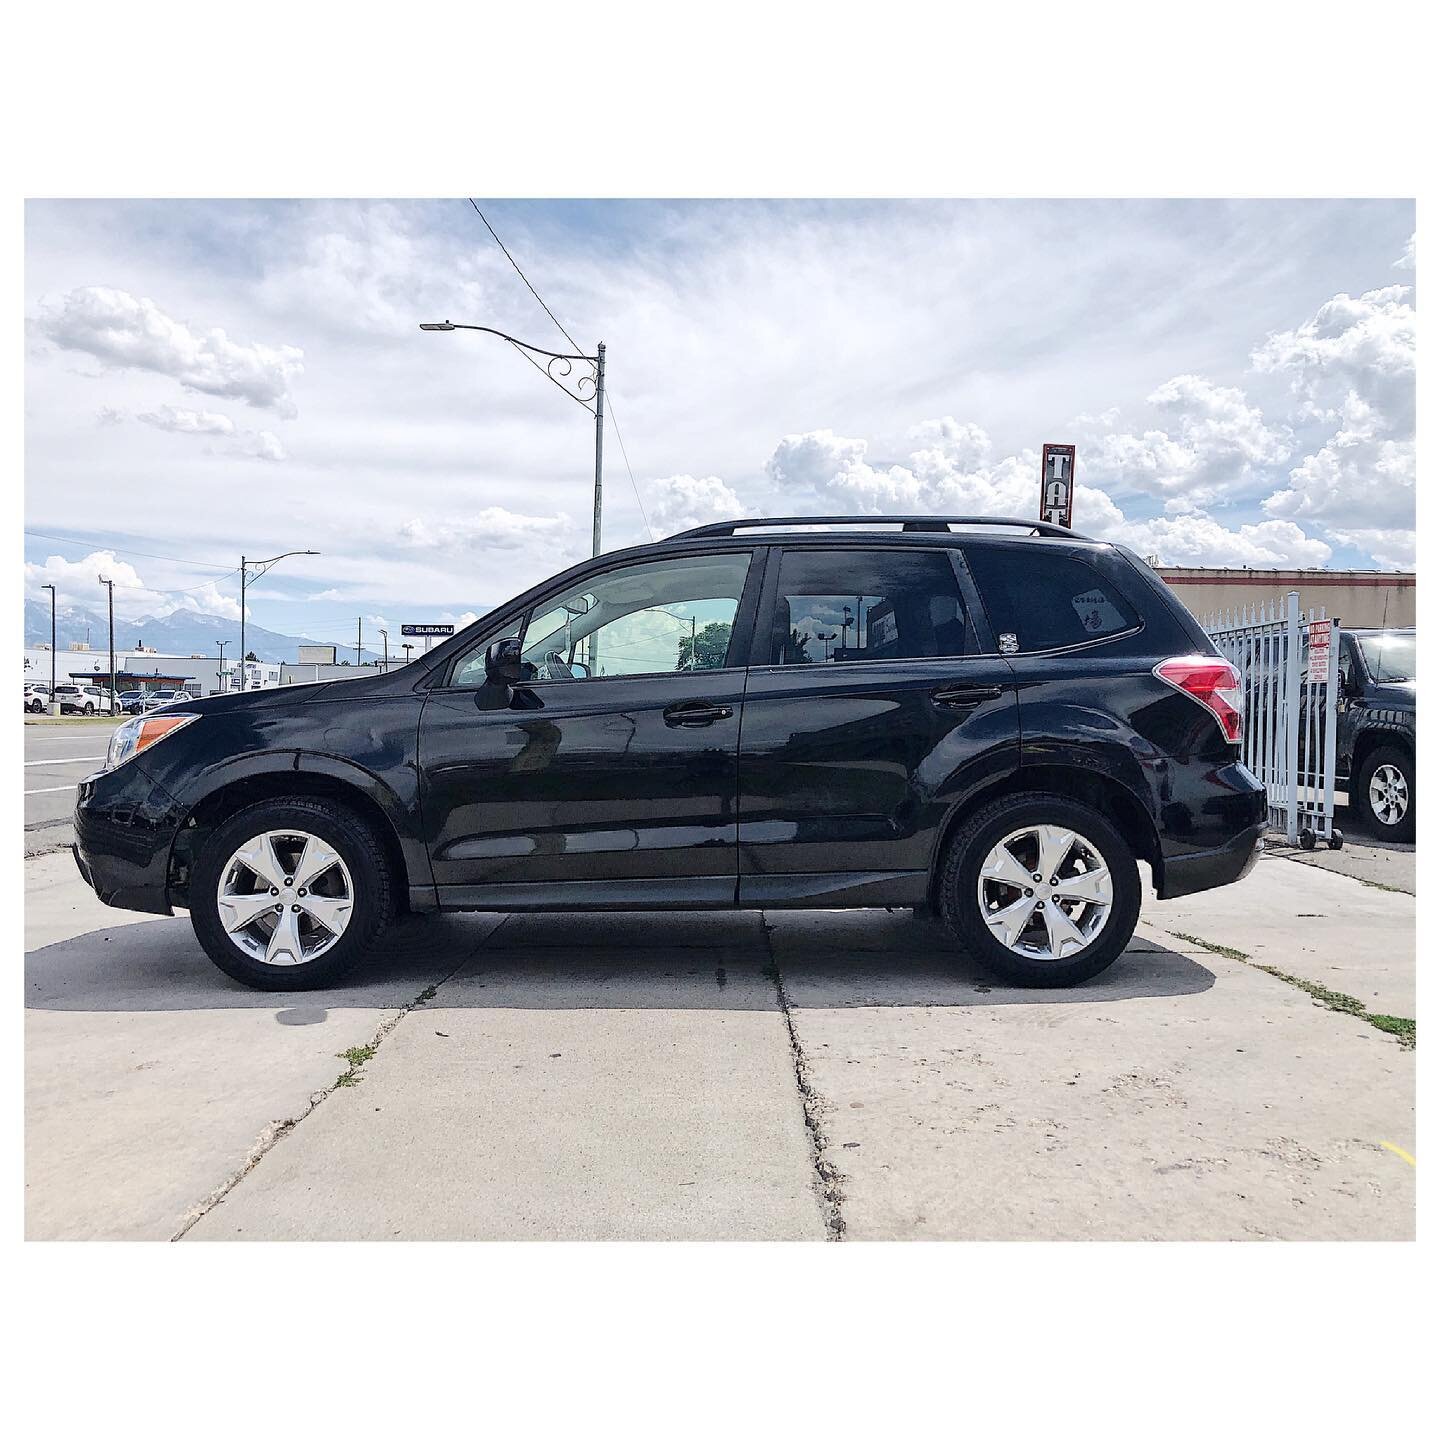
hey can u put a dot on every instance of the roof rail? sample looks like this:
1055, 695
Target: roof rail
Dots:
927, 523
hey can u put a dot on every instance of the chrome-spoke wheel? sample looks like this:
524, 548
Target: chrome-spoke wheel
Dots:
1389, 794
1045, 892
285, 897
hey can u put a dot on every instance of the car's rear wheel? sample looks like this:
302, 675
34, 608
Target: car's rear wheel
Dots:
1041, 890
291, 894
89, 708
1384, 793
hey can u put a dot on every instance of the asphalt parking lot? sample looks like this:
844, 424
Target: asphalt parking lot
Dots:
743, 1076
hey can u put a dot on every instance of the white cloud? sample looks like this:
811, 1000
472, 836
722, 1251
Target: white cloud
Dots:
493, 528
1219, 443
1352, 364
177, 420
1407, 258
128, 332
77, 583
1363, 345
1201, 540
1389, 549
180, 421
681, 502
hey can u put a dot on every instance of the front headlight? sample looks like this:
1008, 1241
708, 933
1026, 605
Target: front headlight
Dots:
140, 734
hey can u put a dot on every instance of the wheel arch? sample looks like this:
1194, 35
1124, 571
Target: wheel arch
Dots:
234, 794
1102, 792
1372, 738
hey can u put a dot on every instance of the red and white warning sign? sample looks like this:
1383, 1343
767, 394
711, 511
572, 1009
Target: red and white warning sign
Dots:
1319, 652
1057, 485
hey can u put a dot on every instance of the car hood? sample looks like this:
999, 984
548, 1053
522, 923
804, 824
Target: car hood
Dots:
357, 688
1398, 695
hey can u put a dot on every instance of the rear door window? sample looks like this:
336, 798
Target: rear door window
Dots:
843, 606
1044, 601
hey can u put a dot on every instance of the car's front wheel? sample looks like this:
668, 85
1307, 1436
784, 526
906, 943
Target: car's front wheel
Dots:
1384, 793
291, 894
1041, 890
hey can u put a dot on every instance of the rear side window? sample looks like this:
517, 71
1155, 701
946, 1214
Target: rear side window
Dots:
1045, 601
841, 606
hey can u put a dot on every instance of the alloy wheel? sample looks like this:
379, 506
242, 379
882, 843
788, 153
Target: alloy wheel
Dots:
1045, 892
285, 897
1389, 794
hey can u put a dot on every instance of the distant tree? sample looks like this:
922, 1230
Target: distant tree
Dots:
796, 648
711, 643
251, 655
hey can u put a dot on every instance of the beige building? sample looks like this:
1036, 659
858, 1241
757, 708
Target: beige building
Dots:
1357, 598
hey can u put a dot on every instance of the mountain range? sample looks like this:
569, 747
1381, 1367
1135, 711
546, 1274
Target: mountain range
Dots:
182, 632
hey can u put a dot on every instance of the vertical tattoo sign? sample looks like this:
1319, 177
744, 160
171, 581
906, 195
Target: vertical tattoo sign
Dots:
1057, 485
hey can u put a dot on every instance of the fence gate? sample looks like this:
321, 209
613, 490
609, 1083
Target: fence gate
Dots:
1289, 673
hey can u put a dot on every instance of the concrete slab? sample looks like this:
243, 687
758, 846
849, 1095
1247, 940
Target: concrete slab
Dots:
151, 1077
1308, 922
1379, 862
562, 1088
1179, 1096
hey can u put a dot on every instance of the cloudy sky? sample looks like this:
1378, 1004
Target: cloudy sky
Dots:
207, 378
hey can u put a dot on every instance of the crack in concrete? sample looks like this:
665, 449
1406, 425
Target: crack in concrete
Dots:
279, 1129
828, 1182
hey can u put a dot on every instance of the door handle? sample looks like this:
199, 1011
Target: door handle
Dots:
962, 697
695, 712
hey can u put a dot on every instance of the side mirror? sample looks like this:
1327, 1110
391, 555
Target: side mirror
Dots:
504, 664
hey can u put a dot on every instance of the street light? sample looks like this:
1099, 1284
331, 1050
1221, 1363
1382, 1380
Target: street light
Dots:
261, 566
220, 673
588, 391
110, 586
54, 703
407, 647
385, 663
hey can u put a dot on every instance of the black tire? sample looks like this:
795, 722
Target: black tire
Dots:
960, 874
1404, 828
89, 708
371, 879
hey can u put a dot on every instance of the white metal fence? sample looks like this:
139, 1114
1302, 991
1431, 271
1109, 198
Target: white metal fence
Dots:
1289, 674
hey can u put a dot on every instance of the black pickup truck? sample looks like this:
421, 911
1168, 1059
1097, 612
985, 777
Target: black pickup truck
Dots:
1375, 736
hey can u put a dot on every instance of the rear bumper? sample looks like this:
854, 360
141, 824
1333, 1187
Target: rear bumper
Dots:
1204, 870
125, 826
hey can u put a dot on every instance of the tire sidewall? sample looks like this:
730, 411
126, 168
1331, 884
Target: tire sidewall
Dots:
962, 907
349, 836
1387, 755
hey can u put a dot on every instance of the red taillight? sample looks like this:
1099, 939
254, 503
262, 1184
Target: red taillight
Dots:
1214, 683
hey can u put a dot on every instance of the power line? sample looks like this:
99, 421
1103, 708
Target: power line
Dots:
119, 550
614, 425
522, 275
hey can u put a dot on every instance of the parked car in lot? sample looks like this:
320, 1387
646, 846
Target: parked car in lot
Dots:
37, 698
132, 702
1375, 728
86, 700
995, 723
156, 698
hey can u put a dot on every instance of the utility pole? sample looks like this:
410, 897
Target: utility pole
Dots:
359, 622
110, 587
385, 640
220, 673
54, 703
599, 441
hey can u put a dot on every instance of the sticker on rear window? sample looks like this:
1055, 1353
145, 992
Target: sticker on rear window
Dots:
1097, 614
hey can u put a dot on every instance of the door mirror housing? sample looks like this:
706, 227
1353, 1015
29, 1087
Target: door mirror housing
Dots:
504, 663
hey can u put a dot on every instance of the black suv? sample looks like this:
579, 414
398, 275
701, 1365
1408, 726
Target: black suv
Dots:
1375, 730
994, 723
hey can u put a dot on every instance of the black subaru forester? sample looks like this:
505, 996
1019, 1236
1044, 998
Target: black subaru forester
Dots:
991, 719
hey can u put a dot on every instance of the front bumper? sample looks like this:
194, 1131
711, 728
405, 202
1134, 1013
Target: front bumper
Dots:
1204, 870
125, 827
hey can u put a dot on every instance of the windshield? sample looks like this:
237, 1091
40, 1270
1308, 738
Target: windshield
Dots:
1388, 658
